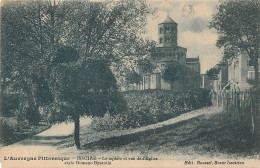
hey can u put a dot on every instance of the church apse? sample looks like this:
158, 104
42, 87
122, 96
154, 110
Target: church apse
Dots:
168, 52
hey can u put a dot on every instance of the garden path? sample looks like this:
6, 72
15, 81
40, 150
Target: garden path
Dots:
95, 137
43, 143
182, 117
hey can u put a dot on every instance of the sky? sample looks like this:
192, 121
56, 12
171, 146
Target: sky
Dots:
193, 17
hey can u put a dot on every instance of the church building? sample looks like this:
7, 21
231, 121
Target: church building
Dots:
168, 52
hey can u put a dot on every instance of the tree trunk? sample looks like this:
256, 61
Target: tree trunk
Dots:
76, 131
40, 27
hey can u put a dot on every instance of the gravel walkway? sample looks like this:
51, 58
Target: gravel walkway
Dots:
44, 142
90, 136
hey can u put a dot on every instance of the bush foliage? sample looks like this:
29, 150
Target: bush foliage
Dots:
152, 106
14, 129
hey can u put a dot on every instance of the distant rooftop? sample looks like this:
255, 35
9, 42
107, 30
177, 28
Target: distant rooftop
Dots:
192, 60
166, 59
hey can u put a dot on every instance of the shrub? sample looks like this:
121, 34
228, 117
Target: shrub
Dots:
9, 104
7, 126
152, 106
14, 129
107, 122
33, 115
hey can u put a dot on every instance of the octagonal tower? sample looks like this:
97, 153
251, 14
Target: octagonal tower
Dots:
167, 33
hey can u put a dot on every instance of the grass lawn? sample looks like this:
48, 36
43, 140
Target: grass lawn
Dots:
213, 135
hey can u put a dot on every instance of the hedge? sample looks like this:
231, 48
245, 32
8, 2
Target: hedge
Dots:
151, 106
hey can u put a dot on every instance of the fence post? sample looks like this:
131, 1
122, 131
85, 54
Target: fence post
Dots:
227, 97
217, 98
232, 99
222, 99
236, 110
239, 105
243, 103
251, 110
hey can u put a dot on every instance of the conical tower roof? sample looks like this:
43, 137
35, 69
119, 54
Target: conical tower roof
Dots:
168, 20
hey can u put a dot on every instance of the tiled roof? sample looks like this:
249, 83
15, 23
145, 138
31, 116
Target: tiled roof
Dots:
192, 60
168, 20
166, 59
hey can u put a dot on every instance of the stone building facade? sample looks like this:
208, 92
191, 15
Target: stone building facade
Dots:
240, 71
167, 52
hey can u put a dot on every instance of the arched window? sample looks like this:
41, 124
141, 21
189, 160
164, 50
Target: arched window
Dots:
167, 39
161, 40
161, 30
167, 29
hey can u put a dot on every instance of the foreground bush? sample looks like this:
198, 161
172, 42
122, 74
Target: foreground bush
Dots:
152, 106
12, 130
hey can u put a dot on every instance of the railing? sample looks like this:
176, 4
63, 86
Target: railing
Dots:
241, 105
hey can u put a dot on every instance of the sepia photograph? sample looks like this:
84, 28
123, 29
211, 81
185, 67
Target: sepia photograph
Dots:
130, 83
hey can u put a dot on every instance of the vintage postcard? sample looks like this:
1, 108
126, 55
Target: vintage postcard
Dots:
130, 83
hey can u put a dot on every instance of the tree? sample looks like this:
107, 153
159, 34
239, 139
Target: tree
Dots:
172, 73
213, 73
81, 90
139, 59
101, 33
133, 77
107, 30
238, 27
29, 34
33, 32
237, 23
145, 65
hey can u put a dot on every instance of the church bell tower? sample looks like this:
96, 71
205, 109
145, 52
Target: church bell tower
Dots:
167, 33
